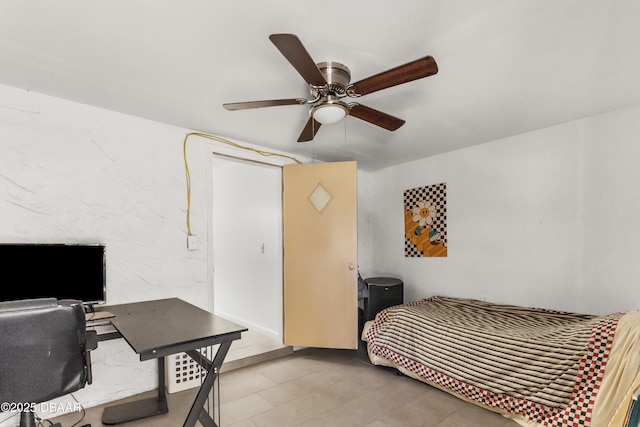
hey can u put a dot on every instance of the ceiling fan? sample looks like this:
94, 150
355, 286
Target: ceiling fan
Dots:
329, 83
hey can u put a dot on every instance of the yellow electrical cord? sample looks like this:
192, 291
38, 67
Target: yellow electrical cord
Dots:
186, 168
224, 141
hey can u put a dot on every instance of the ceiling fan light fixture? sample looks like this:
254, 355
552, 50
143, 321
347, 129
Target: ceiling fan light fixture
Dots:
329, 82
329, 113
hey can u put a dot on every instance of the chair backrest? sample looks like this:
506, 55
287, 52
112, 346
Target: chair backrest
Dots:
42, 349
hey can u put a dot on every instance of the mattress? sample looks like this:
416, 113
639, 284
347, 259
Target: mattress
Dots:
537, 366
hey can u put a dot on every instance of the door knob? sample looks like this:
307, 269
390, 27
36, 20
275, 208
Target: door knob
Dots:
351, 267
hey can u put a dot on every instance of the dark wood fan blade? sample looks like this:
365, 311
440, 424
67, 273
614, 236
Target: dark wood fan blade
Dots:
375, 117
309, 131
414, 70
292, 49
259, 104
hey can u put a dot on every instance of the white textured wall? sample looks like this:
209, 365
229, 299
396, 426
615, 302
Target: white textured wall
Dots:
545, 219
73, 173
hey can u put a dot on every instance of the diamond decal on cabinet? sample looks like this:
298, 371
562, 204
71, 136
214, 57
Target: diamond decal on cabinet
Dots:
320, 198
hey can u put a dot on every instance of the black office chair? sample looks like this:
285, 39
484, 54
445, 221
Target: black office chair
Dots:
44, 351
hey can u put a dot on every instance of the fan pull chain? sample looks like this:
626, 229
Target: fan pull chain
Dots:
346, 158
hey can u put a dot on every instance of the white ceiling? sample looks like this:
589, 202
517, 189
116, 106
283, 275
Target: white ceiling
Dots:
506, 67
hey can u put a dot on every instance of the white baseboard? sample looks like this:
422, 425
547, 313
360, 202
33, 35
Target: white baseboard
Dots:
254, 327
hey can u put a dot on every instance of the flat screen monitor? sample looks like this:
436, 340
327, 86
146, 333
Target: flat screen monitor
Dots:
48, 270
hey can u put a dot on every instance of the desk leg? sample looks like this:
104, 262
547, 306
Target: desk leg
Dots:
138, 409
198, 412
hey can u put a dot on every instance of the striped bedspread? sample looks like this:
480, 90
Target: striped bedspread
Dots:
544, 365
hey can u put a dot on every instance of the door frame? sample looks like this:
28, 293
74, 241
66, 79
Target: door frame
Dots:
209, 257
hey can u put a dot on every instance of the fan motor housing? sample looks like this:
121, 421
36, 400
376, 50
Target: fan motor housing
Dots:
337, 76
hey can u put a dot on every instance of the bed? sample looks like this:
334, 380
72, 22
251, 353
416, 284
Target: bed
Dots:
538, 367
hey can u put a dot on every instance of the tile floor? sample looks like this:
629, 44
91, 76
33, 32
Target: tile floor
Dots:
251, 349
320, 387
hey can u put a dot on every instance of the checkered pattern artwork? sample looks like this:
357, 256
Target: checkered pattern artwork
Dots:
425, 221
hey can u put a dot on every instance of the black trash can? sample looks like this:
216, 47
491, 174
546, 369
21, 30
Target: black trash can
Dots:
384, 292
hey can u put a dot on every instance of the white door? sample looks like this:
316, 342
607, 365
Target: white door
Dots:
247, 244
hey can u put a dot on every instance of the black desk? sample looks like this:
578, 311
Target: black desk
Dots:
155, 329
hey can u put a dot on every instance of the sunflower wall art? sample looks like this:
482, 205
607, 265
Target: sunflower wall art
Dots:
425, 221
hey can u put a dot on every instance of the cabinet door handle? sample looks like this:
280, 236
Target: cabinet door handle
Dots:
351, 267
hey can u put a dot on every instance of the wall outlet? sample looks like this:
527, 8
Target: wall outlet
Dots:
192, 242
